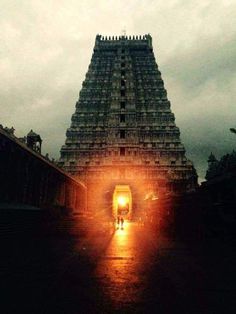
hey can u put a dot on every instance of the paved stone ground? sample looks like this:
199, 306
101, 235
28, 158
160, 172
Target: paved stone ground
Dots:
78, 266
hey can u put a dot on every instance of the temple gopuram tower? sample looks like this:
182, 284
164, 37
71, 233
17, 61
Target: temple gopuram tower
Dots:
123, 135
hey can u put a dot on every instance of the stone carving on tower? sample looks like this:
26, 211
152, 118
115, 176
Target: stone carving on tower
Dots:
123, 130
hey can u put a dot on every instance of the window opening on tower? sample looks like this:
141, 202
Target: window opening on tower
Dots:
122, 104
122, 151
122, 82
122, 118
122, 133
122, 92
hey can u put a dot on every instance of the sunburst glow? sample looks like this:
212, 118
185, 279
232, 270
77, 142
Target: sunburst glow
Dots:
122, 201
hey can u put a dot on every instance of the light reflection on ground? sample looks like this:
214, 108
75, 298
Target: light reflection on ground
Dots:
120, 269
79, 266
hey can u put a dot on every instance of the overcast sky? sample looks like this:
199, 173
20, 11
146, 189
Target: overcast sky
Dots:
46, 47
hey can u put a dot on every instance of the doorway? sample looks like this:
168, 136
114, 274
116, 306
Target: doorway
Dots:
122, 201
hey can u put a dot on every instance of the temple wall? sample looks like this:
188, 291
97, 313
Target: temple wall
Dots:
27, 178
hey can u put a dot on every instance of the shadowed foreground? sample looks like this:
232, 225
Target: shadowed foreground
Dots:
78, 265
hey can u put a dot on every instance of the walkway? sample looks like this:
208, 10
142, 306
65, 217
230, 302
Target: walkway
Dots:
77, 266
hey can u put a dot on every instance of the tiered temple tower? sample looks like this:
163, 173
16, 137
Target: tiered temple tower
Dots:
123, 131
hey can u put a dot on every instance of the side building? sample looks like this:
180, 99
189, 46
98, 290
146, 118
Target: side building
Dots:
123, 132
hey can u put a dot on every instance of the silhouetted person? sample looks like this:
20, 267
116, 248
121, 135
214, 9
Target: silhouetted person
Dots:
118, 222
122, 222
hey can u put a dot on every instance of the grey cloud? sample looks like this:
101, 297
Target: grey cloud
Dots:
202, 84
210, 60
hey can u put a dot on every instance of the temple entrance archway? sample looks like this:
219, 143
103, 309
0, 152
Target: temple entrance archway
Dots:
122, 201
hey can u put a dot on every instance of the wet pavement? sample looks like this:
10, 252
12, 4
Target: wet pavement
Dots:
80, 265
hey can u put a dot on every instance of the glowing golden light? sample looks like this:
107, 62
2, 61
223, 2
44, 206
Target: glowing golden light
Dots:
122, 201
123, 265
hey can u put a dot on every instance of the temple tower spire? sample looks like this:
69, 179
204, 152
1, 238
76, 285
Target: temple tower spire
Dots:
123, 129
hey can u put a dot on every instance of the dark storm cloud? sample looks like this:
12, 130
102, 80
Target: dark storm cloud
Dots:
202, 81
46, 48
210, 60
